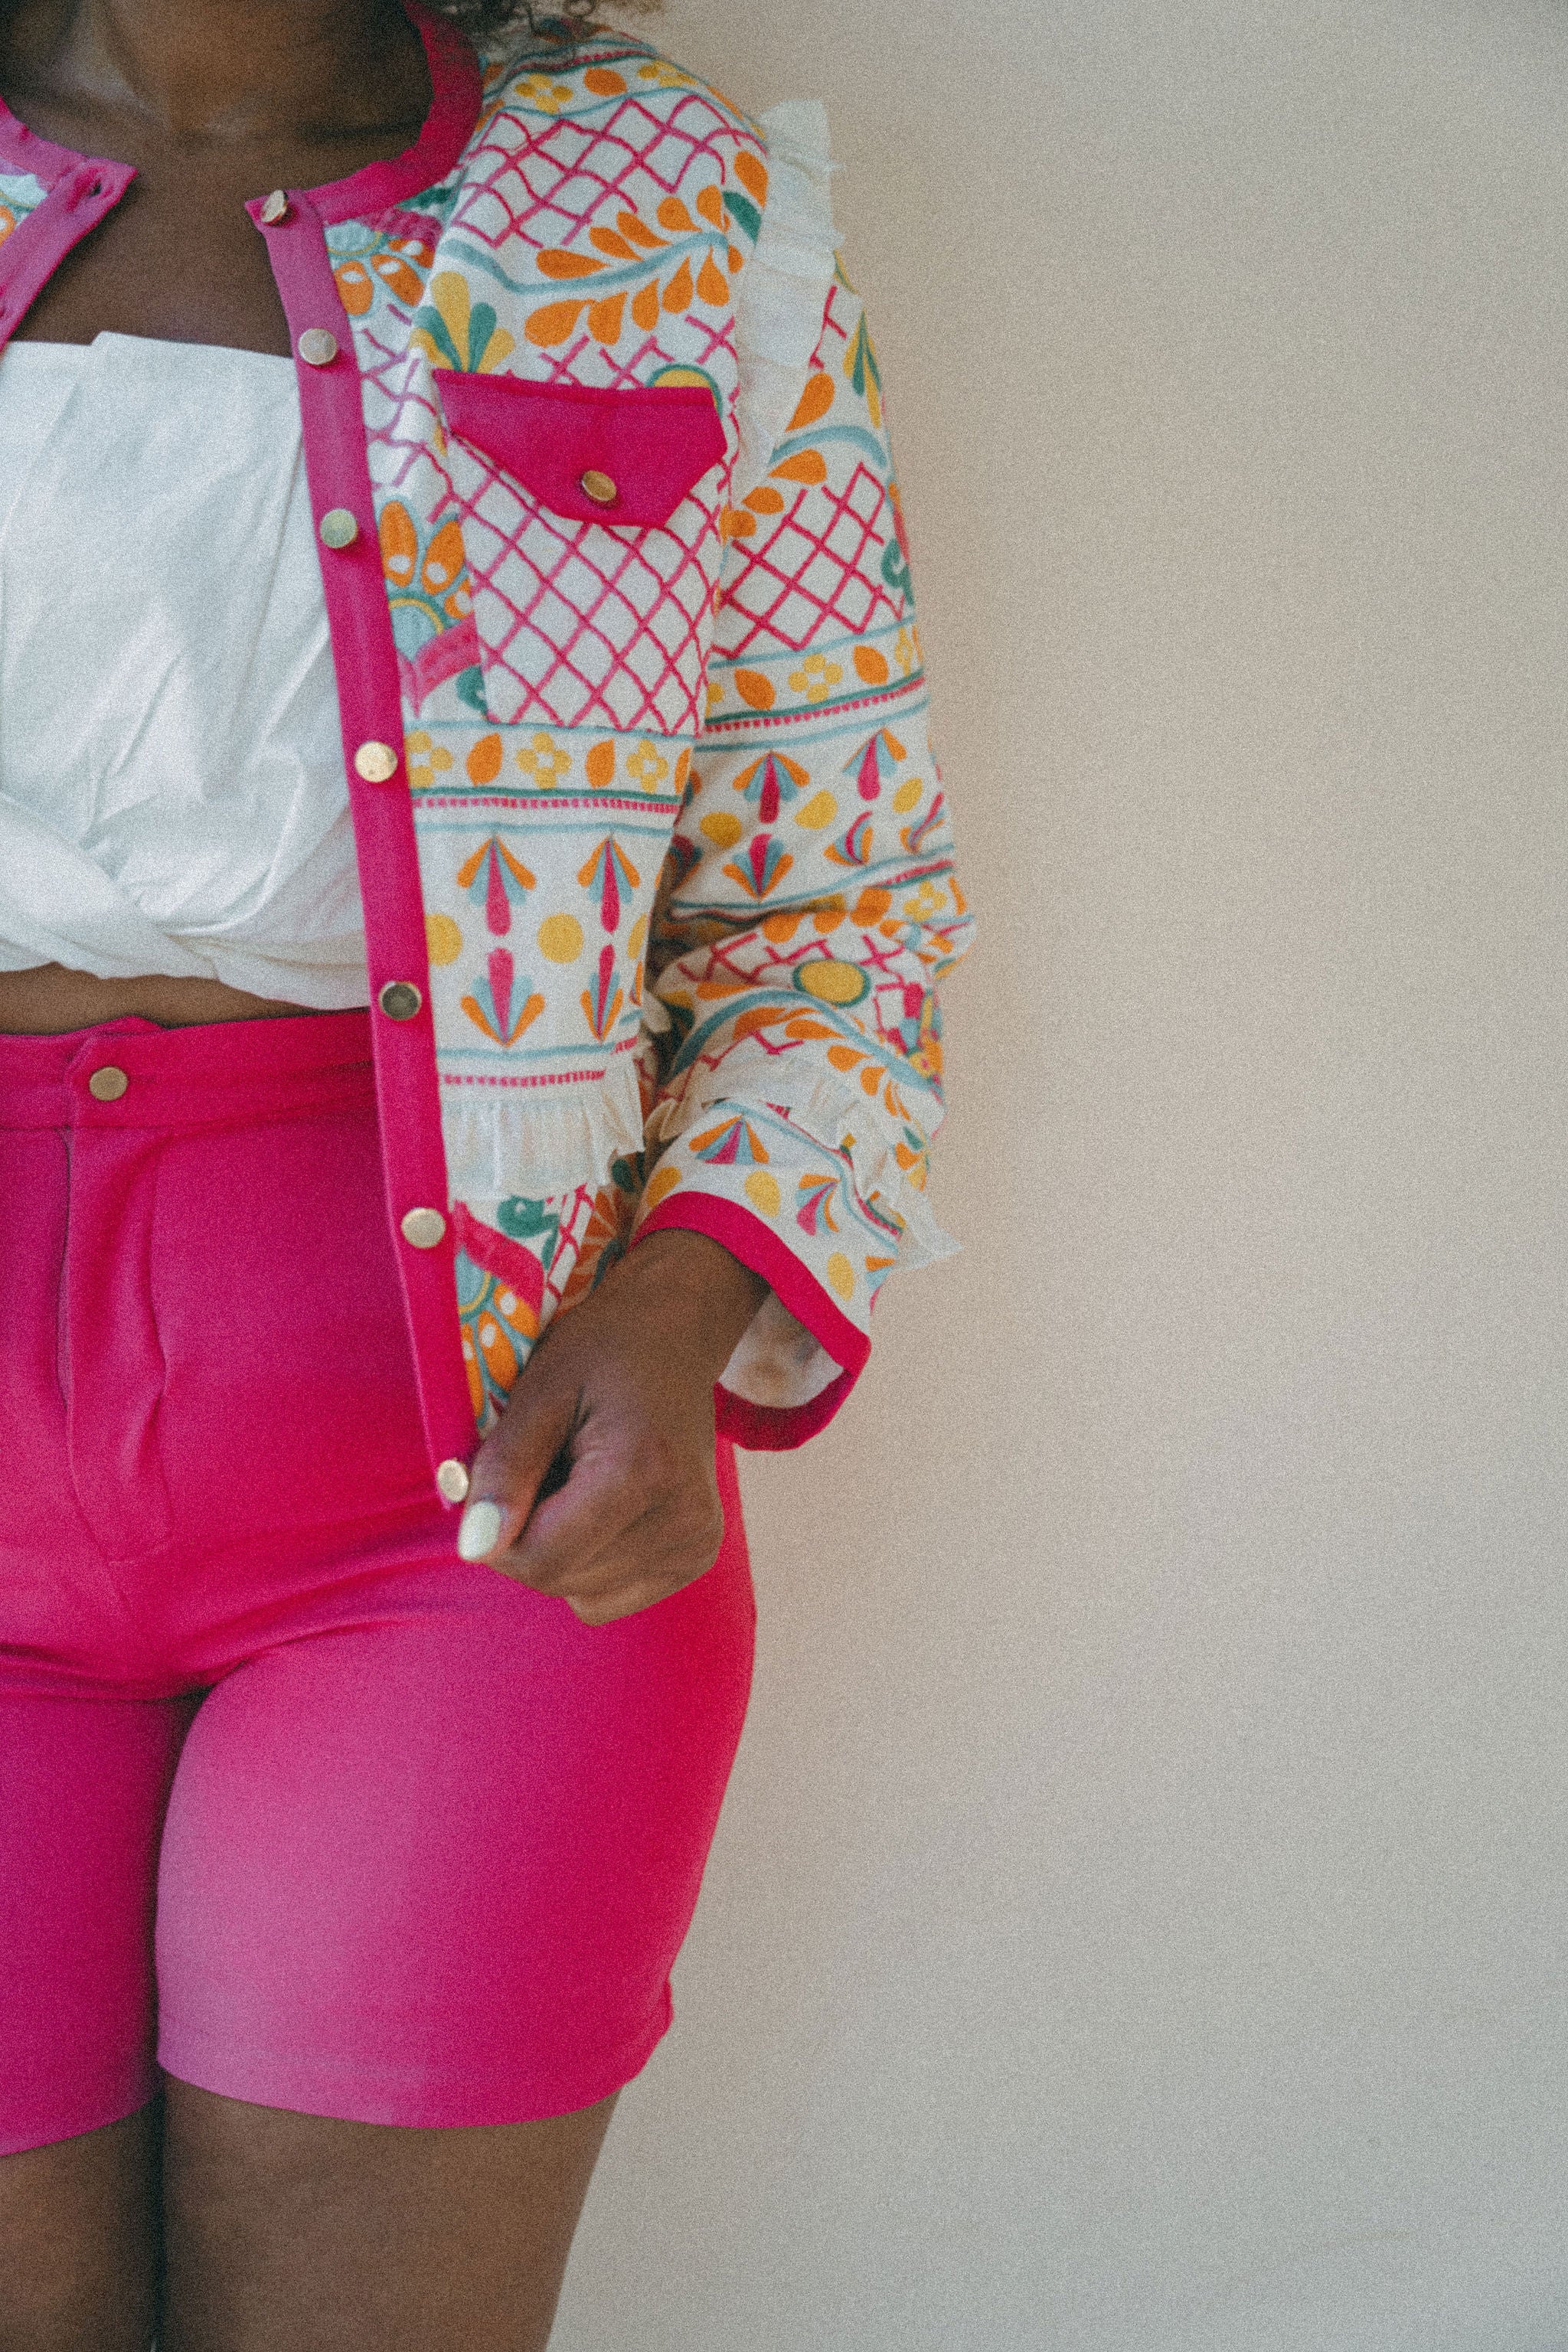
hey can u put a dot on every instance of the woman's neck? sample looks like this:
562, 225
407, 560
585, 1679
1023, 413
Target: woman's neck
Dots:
226, 71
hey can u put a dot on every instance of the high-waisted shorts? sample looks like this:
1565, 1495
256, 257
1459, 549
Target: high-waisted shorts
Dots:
291, 1800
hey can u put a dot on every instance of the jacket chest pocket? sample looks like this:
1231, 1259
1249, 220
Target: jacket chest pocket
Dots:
590, 524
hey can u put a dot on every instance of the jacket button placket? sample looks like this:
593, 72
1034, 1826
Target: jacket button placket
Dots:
369, 694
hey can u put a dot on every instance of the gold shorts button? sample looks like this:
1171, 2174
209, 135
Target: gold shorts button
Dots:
275, 208
107, 1085
377, 762
400, 999
600, 488
318, 348
337, 528
452, 1478
424, 1228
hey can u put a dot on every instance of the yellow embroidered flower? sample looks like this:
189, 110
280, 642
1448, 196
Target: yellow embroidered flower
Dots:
537, 89
544, 761
648, 768
815, 678
453, 330
426, 759
668, 76
922, 904
906, 653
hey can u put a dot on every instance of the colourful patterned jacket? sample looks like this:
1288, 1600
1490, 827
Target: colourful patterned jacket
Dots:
654, 853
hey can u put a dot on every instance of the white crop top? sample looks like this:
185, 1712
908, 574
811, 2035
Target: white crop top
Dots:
172, 791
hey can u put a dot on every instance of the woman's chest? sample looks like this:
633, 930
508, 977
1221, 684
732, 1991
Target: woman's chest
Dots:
178, 258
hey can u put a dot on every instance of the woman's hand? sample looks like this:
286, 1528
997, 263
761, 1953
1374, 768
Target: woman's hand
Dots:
622, 1388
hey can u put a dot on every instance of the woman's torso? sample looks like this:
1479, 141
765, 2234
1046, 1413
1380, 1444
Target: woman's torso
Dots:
178, 263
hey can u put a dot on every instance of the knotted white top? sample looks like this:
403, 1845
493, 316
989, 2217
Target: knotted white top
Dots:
172, 789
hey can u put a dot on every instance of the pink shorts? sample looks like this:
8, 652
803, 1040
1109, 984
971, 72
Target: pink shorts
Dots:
289, 1795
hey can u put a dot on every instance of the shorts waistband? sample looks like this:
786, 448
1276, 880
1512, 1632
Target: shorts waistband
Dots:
132, 1073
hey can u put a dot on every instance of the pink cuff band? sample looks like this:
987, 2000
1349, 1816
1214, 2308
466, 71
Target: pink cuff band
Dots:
760, 1428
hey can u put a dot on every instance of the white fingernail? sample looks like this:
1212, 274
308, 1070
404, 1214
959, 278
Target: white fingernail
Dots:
480, 1530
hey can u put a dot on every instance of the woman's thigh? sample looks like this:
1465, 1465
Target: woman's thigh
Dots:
83, 1786
284, 2232
428, 1861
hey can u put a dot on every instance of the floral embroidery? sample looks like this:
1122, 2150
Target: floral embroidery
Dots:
544, 761
602, 1002
607, 872
637, 270
816, 678
400, 265
459, 332
538, 90
648, 768
498, 879
502, 1003
426, 758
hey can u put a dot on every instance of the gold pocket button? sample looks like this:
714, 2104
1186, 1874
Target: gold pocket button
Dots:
318, 348
107, 1084
277, 209
424, 1228
600, 487
337, 528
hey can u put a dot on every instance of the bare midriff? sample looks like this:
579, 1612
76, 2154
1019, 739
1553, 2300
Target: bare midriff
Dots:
49, 1001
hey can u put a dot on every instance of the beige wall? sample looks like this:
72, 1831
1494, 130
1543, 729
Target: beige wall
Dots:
1137, 1923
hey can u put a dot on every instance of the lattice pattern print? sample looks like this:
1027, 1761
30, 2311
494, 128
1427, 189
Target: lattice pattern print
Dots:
580, 624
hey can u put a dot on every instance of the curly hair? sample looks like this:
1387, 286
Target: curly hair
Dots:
564, 21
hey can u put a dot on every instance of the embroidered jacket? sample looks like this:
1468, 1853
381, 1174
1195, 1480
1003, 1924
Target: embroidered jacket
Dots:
654, 853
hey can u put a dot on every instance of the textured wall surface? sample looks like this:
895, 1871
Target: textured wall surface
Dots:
1138, 1924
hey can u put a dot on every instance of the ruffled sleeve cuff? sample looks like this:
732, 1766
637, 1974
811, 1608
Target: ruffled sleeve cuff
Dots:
800, 1357
782, 294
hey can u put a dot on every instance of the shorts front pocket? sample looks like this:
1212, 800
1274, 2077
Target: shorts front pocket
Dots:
591, 531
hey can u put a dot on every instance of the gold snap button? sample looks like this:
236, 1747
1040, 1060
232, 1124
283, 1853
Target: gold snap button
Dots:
107, 1085
337, 528
600, 488
400, 999
275, 208
424, 1228
377, 762
318, 348
452, 1478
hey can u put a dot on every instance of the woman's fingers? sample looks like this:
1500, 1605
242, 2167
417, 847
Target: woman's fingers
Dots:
631, 1511
566, 1535
619, 1536
597, 1483
514, 1464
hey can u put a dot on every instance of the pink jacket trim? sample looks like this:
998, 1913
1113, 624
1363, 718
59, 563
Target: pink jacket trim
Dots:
81, 192
770, 1428
369, 694
456, 94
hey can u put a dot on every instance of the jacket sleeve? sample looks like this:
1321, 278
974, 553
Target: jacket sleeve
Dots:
808, 910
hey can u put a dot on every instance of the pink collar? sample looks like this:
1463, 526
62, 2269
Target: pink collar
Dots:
456, 91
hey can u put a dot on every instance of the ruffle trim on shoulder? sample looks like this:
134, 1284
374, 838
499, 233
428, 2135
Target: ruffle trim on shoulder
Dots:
513, 1142
782, 293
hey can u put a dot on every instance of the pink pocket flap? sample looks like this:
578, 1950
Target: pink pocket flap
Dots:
643, 450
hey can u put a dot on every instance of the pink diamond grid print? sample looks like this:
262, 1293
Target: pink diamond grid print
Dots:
811, 572
582, 625
543, 190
